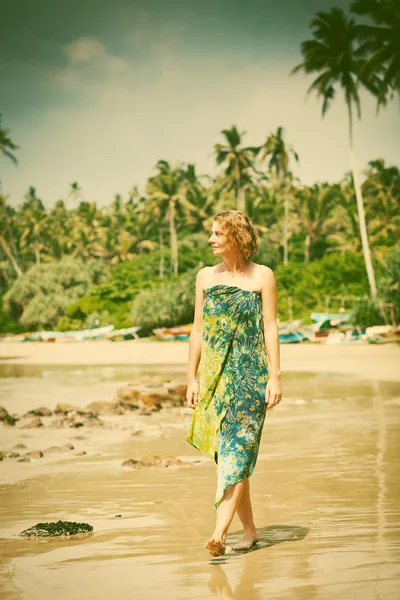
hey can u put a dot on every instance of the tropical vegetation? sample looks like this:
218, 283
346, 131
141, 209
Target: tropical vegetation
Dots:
134, 261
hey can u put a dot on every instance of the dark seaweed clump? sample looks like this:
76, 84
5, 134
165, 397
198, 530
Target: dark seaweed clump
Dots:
56, 529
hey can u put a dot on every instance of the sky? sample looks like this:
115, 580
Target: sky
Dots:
97, 92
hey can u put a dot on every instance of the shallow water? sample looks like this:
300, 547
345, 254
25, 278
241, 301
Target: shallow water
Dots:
325, 493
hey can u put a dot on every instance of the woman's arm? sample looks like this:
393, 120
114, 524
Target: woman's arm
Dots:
195, 339
271, 335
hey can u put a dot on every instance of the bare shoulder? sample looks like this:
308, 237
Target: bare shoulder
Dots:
266, 275
203, 275
264, 271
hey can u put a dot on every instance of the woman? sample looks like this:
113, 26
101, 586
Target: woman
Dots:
233, 338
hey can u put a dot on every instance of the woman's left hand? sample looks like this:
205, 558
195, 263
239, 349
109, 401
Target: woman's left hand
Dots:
273, 392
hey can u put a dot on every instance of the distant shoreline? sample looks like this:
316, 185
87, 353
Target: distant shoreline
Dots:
370, 362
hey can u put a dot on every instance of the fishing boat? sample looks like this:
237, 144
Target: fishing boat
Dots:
333, 318
290, 332
352, 336
325, 325
180, 332
127, 333
62, 336
383, 334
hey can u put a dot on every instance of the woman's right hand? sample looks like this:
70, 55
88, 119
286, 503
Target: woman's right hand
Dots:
192, 394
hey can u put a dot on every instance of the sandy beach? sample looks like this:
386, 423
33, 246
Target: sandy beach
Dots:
366, 361
325, 488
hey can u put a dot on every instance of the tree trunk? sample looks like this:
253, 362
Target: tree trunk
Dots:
174, 241
307, 248
361, 216
8, 229
171, 243
8, 252
161, 271
240, 197
286, 222
285, 231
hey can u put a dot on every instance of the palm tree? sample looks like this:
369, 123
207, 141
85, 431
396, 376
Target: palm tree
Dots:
220, 196
382, 44
119, 241
88, 233
334, 55
75, 192
59, 223
197, 195
262, 207
143, 228
166, 200
239, 163
33, 220
134, 196
381, 190
277, 155
121, 248
346, 237
314, 207
7, 146
151, 227
8, 222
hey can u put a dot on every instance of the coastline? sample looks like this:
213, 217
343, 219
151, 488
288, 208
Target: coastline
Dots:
369, 362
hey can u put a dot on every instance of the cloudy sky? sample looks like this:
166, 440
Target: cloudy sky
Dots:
98, 91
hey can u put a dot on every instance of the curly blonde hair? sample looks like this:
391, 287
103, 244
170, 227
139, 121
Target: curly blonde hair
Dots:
240, 231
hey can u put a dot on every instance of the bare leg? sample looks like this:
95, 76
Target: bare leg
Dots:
225, 514
245, 514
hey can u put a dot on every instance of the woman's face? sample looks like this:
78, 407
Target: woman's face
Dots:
219, 241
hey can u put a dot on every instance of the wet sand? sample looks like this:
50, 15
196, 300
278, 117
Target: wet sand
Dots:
366, 361
326, 496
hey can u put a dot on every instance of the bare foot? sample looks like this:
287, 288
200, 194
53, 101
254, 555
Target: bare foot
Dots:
216, 547
248, 540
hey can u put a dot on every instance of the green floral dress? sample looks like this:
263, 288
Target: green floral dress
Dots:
227, 423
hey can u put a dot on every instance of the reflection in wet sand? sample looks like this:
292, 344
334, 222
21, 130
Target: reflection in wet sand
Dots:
251, 582
326, 492
269, 536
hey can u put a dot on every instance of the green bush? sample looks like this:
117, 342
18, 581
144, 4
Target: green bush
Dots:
389, 282
65, 323
9, 324
168, 305
39, 297
367, 313
308, 283
113, 298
